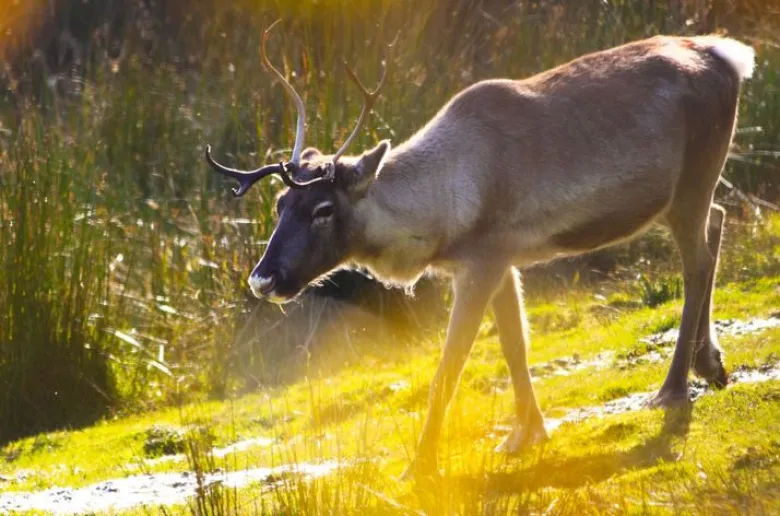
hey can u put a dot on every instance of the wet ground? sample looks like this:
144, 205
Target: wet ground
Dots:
246, 444
639, 400
149, 490
658, 347
176, 488
568, 365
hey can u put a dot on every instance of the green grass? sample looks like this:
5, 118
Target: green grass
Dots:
368, 417
127, 263
124, 260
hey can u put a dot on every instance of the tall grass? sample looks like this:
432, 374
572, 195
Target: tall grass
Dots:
124, 258
53, 365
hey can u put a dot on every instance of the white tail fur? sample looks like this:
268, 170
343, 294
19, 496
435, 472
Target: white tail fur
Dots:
740, 56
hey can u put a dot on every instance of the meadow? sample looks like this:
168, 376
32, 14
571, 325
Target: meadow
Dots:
351, 434
124, 306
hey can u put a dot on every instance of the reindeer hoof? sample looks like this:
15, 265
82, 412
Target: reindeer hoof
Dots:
708, 365
670, 399
523, 438
421, 470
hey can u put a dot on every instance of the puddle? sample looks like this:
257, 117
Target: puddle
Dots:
762, 374
557, 367
638, 401
569, 365
628, 403
731, 327
242, 446
658, 347
219, 453
738, 327
649, 356
161, 460
20, 475
148, 490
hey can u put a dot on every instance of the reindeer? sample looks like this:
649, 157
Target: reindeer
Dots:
514, 172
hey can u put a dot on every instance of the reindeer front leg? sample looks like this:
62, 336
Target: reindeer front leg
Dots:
473, 289
513, 334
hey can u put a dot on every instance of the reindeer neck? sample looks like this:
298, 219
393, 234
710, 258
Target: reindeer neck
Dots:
395, 226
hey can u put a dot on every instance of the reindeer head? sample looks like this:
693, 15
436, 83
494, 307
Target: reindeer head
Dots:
311, 237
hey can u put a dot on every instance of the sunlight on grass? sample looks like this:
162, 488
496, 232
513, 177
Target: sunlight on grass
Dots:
124, 319
367, 419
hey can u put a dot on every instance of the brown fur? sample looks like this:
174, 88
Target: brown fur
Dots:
510, 173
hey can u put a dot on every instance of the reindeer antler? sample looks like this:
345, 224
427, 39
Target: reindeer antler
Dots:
369, 97
299, 105
247, 178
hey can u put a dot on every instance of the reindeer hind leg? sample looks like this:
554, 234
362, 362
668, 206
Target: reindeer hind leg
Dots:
708, 355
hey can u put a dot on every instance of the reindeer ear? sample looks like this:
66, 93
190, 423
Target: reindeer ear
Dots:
364, 171
310, 153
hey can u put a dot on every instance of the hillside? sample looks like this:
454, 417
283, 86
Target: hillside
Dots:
336, 442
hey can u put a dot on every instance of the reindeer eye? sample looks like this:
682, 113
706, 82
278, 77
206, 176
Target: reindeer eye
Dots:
322, 210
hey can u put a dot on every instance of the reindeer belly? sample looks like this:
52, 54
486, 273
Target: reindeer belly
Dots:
610, 224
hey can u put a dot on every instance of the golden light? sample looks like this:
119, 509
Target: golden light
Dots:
18, 18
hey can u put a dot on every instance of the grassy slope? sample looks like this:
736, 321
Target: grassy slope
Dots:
727, 461
155, 267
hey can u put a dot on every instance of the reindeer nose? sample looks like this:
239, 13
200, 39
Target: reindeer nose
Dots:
261, 285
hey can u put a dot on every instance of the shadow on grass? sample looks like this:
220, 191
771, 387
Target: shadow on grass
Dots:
578, 471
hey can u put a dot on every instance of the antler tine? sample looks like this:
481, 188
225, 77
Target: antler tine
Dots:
246, 178
370, 98
299, 105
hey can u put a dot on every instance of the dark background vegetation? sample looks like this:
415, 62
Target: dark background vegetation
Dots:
123, 259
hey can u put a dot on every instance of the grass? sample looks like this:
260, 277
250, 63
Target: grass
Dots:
368, 417
145, 252
123, 304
